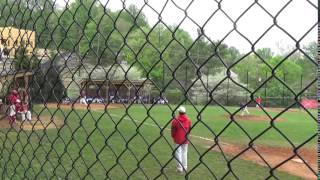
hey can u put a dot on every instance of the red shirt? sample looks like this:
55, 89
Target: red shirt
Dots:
180, 128
16, 101
259, 100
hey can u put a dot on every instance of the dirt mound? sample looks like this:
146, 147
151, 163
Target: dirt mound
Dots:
43, 122
84, 107
275, 156
253, 118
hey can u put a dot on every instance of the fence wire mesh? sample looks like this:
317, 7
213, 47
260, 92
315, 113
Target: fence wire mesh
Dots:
90, 92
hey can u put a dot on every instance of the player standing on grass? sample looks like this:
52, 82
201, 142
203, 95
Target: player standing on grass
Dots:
15, 101
180, 129
244, 109
24, 106
259, 101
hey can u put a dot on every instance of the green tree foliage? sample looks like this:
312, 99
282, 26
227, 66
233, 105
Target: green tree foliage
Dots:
157, 53
24, 61
253, 71
36, 15
165, 54
227, 88
47, 86
265, 53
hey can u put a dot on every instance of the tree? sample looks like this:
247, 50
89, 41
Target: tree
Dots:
311, 50
265, 53
226, 89
288, 71
24, 61
150, 52
46, 86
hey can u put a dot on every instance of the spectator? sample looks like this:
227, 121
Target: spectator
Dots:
83, 98
180, 129
111, 100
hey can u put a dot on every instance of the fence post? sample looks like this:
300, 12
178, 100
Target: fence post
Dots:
300, 86
208, 93
228, 92
185, 85
163, 71
159, 36
247, 85
265, 90
284, 80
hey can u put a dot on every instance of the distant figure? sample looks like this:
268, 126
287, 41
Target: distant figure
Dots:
111, 98
244, 109
25, 112
259, 101
15, 102
83, 98
180, 129
24, 106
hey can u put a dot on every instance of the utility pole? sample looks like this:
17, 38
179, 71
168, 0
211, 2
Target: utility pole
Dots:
208, 96
163, 71
98, 45
186, 80
284, 80
300, 85
247, 85
265, 90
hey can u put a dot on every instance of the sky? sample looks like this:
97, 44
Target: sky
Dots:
298, 17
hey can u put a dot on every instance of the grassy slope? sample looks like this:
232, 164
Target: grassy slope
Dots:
72, 150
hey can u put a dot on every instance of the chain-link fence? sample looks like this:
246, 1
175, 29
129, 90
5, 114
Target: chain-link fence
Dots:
91, 90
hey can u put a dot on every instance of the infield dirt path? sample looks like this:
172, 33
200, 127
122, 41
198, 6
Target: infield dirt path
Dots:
275, 156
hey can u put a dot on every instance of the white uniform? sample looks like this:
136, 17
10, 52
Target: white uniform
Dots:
245, 110
83, 101
12, 110
181, 156
26, 115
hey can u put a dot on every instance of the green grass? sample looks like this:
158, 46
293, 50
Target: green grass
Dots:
296, 126
123, 145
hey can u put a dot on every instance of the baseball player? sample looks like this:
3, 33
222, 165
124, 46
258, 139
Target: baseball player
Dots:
24, 106
15, 102
259, 101
244, 109
180, 128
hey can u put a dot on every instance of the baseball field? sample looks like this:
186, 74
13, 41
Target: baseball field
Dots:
115, 142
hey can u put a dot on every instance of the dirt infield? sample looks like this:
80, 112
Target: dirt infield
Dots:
252, 118
44, 122
274, 109
274, 156
84, 107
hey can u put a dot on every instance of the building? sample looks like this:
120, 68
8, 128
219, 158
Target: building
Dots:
117, 81
12, 38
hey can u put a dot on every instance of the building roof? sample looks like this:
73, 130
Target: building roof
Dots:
68, 63
118, 82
